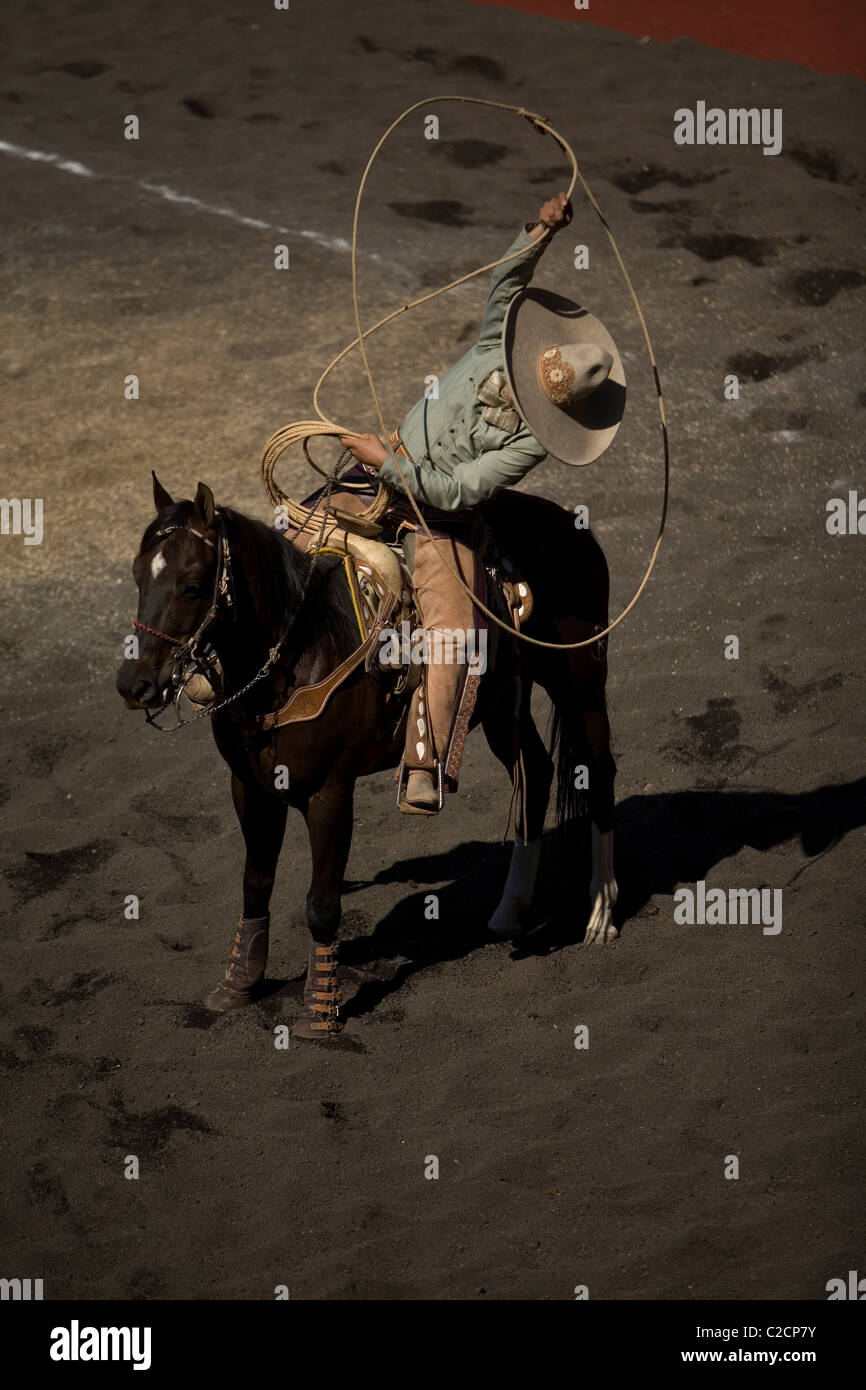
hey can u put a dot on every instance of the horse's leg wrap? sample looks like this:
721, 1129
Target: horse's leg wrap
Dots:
320, 1016
249, 956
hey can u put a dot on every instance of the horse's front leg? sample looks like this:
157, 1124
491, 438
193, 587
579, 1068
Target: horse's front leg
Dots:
263, 824
329, 823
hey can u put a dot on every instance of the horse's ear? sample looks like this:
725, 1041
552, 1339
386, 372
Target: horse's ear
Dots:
205, 503
161, 498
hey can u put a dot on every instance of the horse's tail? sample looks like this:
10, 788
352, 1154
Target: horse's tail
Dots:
570, 752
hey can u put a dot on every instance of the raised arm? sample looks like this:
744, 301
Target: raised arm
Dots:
509, 279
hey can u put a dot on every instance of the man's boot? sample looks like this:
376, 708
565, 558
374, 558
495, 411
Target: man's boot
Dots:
246, 966
422, 792
320, 1016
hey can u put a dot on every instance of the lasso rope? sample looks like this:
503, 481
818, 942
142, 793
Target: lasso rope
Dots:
304, 430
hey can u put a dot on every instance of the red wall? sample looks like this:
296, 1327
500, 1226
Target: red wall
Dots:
829, 35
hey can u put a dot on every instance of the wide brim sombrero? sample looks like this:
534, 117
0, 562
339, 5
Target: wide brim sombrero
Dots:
578, 434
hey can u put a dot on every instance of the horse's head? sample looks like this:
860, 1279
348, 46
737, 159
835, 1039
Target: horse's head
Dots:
175, 570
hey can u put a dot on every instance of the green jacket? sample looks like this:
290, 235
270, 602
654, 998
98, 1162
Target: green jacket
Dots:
461, 459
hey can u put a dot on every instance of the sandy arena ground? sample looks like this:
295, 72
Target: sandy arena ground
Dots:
305, 1167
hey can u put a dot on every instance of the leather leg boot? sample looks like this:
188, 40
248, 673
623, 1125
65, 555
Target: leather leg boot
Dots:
448, 615
246, 966
320, 1016
418, 786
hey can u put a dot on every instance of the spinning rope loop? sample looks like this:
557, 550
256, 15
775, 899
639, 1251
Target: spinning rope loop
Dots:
304, 430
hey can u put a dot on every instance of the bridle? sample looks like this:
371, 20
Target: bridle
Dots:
191, 658
194, 655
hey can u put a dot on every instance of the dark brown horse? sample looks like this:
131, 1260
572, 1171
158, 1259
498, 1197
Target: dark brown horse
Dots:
218, 583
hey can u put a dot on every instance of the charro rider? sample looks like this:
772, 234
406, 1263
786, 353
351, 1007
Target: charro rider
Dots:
543, 377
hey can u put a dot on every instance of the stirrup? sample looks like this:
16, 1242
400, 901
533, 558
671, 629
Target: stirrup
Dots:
403, 777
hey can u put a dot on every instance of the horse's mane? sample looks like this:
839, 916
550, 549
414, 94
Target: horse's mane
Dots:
278, 569
281, 576
319, 606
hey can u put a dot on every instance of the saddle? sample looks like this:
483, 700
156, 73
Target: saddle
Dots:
380, 570
378, 575
380, 584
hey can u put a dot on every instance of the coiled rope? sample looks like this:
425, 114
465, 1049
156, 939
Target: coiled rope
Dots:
304, 430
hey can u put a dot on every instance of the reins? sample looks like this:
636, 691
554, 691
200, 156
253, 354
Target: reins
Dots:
302, 431
223, 589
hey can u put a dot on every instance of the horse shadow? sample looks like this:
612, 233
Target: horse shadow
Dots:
662, 840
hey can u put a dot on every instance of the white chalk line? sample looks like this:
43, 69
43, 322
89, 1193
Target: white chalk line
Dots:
171, 195
69, 166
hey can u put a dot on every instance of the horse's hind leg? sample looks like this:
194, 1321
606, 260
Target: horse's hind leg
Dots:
263, 824
583, 742
329, 823
602, 771
509, 919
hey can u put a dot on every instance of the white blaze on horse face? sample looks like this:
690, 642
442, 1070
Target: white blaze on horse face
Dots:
157, 564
